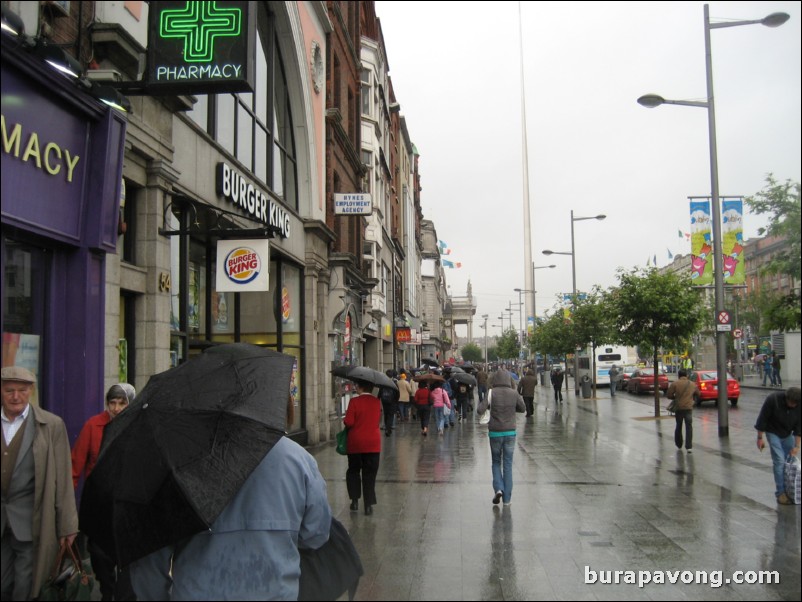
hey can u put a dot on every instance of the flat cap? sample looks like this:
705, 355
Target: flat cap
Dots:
18, 373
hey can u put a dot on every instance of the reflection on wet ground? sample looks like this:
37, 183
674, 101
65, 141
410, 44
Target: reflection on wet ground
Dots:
598, 487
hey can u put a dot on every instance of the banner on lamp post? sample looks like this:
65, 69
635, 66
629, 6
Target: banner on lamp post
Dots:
701, 243
732, 233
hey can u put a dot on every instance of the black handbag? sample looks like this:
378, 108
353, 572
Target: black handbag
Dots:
332, 569
70, 579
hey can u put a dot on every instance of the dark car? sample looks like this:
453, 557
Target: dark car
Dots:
642, 381
707, 383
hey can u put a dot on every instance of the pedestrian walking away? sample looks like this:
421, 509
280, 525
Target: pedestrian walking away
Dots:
683, 390
423, 407
526, 387
389, 399
481, 383
439, 400
557, 377
364, 446
615, 376
776, 379
405, 394
38, 513
501, 432
780, 423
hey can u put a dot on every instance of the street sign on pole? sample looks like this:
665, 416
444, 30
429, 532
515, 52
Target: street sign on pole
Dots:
737, 333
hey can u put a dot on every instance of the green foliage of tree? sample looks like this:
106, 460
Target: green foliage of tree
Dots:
472, 353
507, 345
656, 311
781, 202
554, 337
492, 354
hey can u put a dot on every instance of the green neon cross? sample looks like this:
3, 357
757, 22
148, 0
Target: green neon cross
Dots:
199, 23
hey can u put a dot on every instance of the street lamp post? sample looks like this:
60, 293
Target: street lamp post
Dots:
484, 317
651, 101
520, 292
573, 277
534, 292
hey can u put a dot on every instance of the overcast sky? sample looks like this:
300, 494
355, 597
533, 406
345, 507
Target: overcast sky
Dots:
456, 73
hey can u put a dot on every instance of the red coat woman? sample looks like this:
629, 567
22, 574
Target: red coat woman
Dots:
364, 446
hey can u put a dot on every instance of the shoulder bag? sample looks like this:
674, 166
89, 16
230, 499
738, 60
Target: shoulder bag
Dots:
72, 582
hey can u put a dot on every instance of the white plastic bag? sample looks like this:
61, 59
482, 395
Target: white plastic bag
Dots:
485, 418
792, 475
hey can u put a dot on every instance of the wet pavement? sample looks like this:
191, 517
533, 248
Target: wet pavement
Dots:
599, 487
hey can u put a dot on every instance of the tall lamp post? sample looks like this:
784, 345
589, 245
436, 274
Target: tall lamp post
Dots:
651, 101
534, 291
573, 276
484, 317
520, 292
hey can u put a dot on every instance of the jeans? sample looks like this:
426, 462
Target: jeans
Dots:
683, 416
613, 387
501, 450
780, 448
439, 418
776, 379
403, 409
482, 392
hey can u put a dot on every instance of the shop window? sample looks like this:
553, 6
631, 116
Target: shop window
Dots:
25, 284
127, 227
126, 344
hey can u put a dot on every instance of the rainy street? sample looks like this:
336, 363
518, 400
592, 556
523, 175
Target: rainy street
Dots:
599, 487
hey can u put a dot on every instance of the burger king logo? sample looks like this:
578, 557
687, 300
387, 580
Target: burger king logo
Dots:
242, 265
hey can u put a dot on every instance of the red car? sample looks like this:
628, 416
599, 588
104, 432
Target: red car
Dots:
642, 381
707, 383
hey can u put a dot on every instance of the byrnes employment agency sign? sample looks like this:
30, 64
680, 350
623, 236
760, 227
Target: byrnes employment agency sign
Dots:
200, 47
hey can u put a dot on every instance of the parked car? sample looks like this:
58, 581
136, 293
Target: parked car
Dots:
626, 373
642, 381
707, 383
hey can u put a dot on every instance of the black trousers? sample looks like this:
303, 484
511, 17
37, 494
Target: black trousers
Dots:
530, 405
423, 413
683, 416
360, 478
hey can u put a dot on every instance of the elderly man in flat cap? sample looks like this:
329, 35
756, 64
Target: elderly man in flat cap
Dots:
38, 503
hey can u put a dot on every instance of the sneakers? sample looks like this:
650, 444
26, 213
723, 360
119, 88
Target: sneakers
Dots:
784, 500
690, 451
508, 503
497, 497
354, 505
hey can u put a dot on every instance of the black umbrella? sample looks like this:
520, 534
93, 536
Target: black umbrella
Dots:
456, 370
172, 461
464, 378
430, 362
365, 374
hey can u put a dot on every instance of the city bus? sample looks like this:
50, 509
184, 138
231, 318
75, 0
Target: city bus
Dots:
606, 356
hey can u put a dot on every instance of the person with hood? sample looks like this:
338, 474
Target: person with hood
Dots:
557, 377
504, 402
84, 457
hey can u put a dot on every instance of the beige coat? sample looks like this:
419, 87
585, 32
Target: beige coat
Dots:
54, 493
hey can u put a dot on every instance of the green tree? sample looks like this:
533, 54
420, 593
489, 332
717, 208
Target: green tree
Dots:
472, 353
553, 337
781, 202
507, 345
655, 310
593, 324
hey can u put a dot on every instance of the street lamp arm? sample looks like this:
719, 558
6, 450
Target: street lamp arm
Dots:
548, 252
651, 101
772, 20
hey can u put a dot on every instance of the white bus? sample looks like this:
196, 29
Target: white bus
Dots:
606, 356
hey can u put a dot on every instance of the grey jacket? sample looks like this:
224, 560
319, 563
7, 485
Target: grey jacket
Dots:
504, 403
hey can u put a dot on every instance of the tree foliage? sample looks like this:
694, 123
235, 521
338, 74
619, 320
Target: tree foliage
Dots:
656, 311
781, 202
472, 353
507, 344
553, 337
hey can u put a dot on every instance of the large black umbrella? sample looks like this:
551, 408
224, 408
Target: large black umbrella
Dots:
172, 461
464, 378
365, 374
430, 362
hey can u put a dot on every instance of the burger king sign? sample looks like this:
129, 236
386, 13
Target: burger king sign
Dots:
242, 265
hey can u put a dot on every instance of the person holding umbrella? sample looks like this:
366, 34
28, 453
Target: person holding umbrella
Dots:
364, 445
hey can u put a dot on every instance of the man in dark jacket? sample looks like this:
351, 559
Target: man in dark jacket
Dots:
557, 377
526, 387
504, 403
780, 421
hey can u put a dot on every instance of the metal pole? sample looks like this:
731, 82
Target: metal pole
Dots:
573, 303
718, 264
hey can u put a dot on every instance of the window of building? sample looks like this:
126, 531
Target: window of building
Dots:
257, 127
126, 241
366, 93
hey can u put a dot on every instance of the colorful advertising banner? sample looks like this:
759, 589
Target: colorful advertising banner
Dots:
701, 243
732, 233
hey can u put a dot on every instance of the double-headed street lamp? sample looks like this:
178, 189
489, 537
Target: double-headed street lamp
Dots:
573, 276
653, 100
484, 317
520, 292
534, 291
